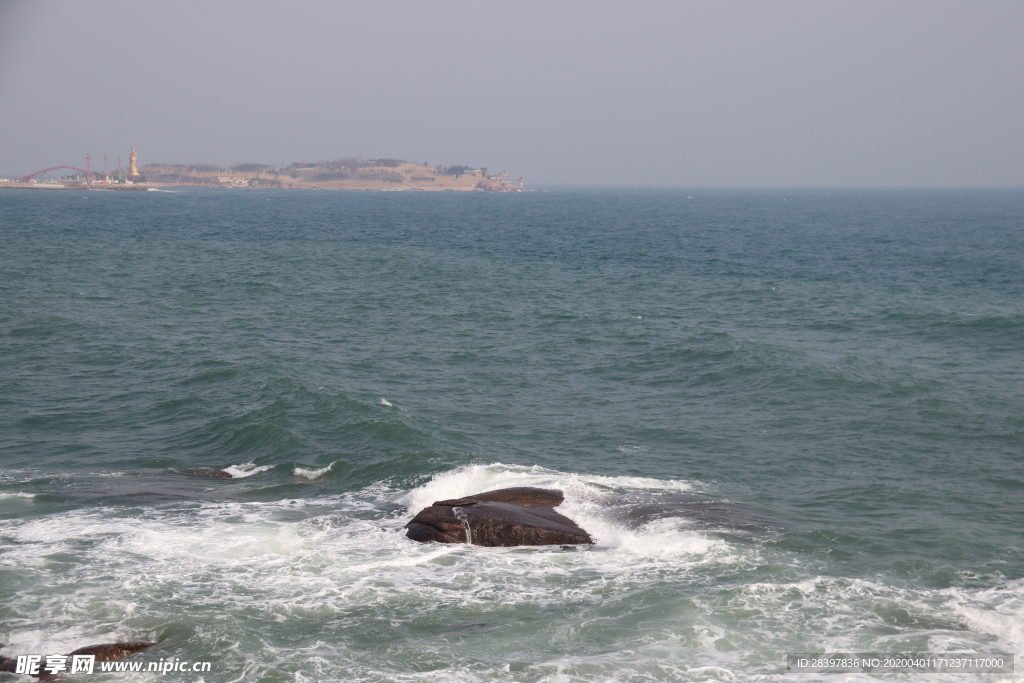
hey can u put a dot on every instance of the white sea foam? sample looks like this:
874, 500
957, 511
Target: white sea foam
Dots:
385, 402
658, 601
16, 496
997, 611
246, 470
632, 549
312, 474
472, 479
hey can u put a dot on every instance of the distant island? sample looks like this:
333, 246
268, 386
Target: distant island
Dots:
340, 174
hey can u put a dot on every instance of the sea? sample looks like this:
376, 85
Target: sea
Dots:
791, 420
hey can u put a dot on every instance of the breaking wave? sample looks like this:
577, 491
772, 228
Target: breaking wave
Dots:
656, 598
246, 470
312, 474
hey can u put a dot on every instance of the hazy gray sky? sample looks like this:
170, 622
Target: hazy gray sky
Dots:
782, 93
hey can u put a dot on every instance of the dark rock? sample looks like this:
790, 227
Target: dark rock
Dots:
113, 651
522, 495
506, 517
206, 472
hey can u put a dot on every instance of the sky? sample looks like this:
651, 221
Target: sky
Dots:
786, 93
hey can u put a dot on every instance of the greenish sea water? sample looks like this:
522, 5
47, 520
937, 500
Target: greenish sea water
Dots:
792, 420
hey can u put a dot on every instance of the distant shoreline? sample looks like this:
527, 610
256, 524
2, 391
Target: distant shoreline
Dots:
388, 175
96, 187
343, 174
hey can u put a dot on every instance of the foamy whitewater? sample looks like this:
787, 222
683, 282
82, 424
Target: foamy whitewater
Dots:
787, 430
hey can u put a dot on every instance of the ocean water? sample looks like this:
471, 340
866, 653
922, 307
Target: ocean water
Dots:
793, 421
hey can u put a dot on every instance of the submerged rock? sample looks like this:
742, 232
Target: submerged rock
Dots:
205, 472
505, 517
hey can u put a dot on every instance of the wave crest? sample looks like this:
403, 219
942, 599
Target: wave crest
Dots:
313, 474
246, 470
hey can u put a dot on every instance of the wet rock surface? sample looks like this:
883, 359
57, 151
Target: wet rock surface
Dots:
113, 651
504, 517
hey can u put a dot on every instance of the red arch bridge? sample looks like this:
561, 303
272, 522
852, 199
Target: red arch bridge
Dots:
30, 176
